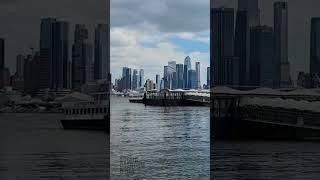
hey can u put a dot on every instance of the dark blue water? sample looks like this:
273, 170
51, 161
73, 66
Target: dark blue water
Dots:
159, 143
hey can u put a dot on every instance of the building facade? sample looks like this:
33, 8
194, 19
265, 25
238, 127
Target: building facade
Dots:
101, 52
315, 46
281, 63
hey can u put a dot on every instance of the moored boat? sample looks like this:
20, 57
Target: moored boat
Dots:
87, 116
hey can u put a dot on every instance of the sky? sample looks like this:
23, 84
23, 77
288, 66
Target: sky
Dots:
147, 34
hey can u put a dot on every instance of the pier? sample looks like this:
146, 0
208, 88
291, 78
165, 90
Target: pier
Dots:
178, 97
265, 114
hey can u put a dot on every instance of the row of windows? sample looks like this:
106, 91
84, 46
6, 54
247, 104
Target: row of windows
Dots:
86, 111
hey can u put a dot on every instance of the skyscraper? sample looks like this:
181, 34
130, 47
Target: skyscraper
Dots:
2, 53
208, 77
54, 53
135, 79
171, 71
141, 78
225, 65
31, 73
186, 68
261, 56
158, 82
126, 78
315, 46
2, 62
192, 74
242, 45
198, 75
281, 63
101, 52
20, 65
252, 9
165, 78
82, 57
180, 76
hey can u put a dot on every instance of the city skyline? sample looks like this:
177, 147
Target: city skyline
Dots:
175, 75
71, 11
299, 28
159, 32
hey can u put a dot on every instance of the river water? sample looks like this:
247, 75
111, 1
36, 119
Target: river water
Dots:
150, 142
146, 143
34, 146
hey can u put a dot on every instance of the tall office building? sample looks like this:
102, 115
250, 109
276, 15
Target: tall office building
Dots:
248, 16
242, 45
135, 79
315, 46
208, 77
186, 68
20, 65
101, 52
171, 76
82, 58
193, 83
261, 56
31, 73
166, 78
198, 75
252, 9
126, 78
141, 78
2, 53
180, 76
158, 83
281, 63
54, 53
223, 63
2, 63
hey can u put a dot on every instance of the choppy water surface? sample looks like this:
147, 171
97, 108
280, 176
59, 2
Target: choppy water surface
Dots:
159, 143
34, 146
260, 160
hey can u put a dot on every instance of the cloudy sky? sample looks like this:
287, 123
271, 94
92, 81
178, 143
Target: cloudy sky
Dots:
148, 33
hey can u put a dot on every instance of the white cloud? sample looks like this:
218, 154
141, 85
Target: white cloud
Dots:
141, 31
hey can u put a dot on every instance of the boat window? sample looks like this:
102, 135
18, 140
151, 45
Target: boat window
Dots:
105, 110
85, 111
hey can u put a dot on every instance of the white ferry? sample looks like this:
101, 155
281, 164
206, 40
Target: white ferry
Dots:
90, 115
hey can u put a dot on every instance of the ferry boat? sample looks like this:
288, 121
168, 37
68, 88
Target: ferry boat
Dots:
91, 115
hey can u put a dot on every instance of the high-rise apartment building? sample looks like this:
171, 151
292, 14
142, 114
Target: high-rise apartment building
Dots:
82, 58
315, 46
101, 52
225, 66
281, 63
186, 68
54, 54
198, 74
